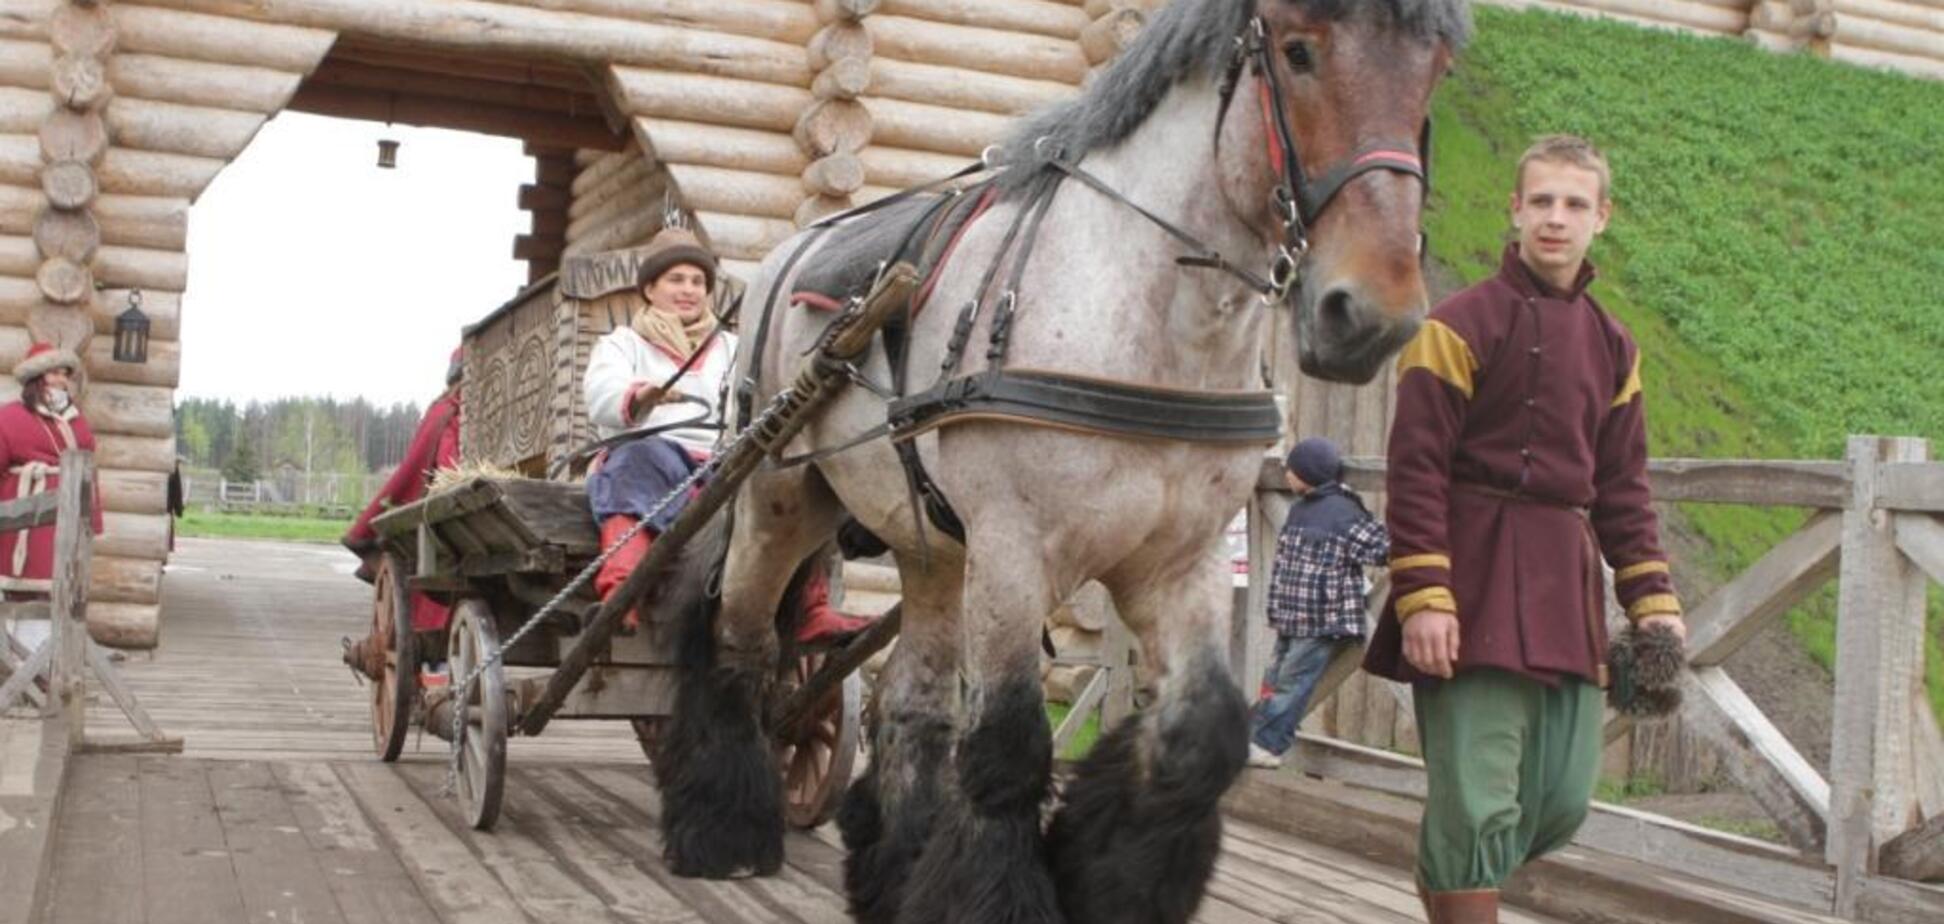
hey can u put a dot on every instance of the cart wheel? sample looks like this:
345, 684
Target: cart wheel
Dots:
648, 734
395, 686
482, 732
817, 763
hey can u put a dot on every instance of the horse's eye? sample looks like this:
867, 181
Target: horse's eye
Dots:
1301, 59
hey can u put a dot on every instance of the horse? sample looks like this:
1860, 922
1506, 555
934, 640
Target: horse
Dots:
1241, 157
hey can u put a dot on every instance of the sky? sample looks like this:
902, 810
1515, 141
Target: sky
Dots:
313, 272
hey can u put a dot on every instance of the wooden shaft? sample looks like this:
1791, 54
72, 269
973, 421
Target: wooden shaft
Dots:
818, 383
839, 665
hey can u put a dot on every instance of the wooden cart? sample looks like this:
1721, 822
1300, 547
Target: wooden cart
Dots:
498, 550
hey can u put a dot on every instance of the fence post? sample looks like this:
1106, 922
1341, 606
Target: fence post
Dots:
1879, 667
1249, 636
68, 612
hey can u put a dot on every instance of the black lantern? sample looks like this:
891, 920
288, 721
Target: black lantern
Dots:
387, 153
132, 331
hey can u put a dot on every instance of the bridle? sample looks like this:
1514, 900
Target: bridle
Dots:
1299, 200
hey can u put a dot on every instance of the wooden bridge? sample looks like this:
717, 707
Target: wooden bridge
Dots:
277, 811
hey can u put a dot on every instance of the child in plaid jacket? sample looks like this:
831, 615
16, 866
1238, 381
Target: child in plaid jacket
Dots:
1316, 592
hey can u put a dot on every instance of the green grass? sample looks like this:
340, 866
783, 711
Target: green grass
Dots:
1083, 740
211, 525
1774, 249
1620, 792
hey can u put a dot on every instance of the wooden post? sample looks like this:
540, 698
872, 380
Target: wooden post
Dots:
1117, 665
1249, 635
1879, 645
68, 616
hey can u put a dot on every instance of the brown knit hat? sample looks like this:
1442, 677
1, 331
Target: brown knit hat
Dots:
672, 247
43, 358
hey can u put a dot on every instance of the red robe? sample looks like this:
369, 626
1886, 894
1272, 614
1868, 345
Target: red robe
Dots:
29, 440
1518, 456
434, 446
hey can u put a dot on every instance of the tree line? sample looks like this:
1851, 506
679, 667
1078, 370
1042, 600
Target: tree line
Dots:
246, 441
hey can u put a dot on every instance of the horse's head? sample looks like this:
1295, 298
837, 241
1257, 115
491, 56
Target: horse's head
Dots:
1344, 85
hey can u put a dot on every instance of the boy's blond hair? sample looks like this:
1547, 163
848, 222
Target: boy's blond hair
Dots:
1566, 149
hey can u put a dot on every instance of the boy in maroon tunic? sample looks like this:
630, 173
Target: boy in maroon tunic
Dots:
34, 431
1517, 460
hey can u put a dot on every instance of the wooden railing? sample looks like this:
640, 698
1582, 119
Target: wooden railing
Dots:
1874, 530
68, 656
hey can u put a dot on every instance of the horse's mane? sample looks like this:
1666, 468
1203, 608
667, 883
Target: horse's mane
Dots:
1190, 38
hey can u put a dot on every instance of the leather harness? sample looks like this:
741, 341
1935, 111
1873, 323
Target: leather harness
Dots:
1064, 400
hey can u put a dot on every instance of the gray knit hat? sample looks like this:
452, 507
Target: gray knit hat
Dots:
672, 247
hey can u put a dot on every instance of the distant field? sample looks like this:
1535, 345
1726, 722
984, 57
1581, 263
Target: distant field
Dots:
258, 526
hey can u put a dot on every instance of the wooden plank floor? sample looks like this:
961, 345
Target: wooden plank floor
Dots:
277, 812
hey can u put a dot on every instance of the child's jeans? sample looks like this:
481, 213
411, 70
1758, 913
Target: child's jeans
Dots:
1286, 687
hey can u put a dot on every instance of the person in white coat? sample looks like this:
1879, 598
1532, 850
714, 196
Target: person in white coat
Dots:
665, 372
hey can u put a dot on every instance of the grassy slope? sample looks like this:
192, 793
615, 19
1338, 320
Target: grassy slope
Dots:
255, 526
1775, 247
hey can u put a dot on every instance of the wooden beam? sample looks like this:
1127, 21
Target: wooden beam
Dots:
1912, 486
345, 73
1760, 482
1769, 588
1757, 755
1879, 666
1922, 538
537, 247
519, 73
436, 112
542, 198
1917, 854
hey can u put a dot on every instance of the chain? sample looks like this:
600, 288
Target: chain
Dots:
757, 430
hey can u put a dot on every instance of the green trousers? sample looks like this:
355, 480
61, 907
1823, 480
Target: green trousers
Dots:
1511, 764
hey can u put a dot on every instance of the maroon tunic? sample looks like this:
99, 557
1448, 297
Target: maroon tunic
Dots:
1518, 456
434, 446
31, 445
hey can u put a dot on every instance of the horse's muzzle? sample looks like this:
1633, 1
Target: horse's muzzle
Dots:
1343, 337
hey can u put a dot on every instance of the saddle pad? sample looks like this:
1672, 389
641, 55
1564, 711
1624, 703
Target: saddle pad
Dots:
923, 230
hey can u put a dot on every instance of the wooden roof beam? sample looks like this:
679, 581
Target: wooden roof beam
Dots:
437, 112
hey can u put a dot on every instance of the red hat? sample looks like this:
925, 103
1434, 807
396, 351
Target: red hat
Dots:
43, 358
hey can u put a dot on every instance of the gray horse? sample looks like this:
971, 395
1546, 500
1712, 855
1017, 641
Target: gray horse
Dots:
1195, 123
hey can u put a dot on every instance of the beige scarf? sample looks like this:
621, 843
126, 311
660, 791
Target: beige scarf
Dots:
665, 330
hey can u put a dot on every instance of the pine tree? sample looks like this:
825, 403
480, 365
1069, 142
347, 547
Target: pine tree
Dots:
242, 464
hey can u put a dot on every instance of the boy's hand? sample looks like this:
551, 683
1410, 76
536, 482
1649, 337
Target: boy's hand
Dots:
1431, 642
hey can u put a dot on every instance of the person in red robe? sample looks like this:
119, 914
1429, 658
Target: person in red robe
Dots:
434, 446
34, 431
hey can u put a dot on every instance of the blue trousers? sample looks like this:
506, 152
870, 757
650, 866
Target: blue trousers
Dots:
635, 477
1291, 677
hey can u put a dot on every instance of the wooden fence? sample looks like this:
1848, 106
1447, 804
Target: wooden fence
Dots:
53, 676
1874, 529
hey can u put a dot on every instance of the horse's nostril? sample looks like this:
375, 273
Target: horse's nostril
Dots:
1335, 310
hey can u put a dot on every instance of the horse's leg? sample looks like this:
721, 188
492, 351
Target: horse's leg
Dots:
985, 862
888, 813
1137, 835
722, 800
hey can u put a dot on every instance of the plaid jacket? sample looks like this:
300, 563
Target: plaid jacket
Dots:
1316, 589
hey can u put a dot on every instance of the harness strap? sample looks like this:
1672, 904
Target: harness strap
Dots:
1203, 256
1091, 405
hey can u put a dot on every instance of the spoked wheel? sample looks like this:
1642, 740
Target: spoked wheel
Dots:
482, 728
816, 761
394, 665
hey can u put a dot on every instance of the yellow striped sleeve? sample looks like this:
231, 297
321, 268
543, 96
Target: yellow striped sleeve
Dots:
1640, 570
1439, 350
1632, 386
1427, 560
1430, 598
1654, 605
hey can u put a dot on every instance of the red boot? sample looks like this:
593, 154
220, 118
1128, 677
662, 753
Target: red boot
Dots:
622, 563
822, 625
